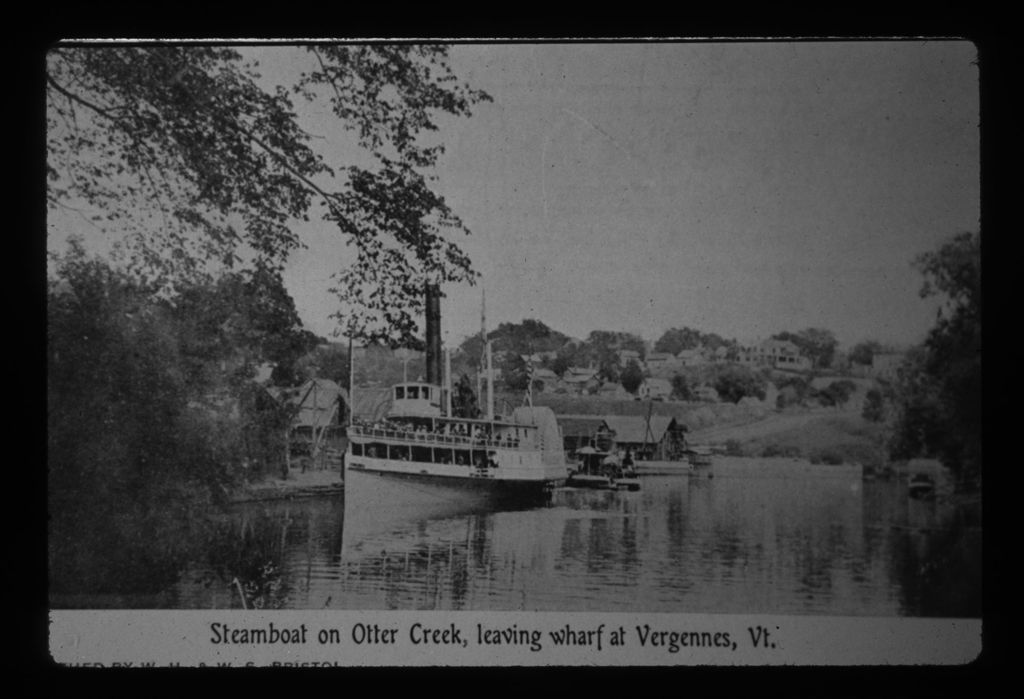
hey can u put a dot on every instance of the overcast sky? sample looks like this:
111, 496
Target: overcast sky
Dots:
737, 188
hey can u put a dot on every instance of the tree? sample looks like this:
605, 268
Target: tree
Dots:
837, 393
632, 376
329, 361
874, 406
675, 340
601, 348
736, 382
514, 372
937, 394
528, 337
793, 390
864, 352
681, 389
561, 363
148, 415
182, 152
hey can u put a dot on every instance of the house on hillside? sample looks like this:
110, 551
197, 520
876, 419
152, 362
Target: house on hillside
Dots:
659, 437
548, 379
654, 388
627, 355
778, 354
539, 357
612, 390
691, 357
580, 381
661, 363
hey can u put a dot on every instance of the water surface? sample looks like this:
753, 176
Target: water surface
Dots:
790, 539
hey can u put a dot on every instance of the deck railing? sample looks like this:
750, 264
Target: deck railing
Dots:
432, 437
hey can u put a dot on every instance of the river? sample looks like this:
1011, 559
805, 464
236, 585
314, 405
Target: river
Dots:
758, 537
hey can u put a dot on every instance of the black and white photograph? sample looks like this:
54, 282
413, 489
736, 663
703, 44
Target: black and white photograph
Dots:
565, 327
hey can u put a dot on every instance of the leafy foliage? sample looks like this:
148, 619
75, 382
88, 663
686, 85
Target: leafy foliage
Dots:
874, 406
681, 387
675, 340
864, 352
837, 393
149, 413
183, 153
736, 382
528, 337
793, 390
937, 393
328, 361
632, 376
514, 372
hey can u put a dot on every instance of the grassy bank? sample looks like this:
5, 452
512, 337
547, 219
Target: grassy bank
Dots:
840, 438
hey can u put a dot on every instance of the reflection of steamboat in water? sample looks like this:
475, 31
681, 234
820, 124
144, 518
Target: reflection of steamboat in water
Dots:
422, 439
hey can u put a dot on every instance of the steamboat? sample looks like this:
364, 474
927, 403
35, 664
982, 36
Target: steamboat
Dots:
422, 439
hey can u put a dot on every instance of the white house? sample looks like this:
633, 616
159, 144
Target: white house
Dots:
654, 388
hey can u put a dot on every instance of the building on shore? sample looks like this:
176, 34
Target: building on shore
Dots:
663, 438
653, 438
580, 431
318, 412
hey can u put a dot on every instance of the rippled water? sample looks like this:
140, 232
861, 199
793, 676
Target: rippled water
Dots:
786, 539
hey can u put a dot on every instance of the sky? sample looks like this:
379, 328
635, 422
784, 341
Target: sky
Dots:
737, 188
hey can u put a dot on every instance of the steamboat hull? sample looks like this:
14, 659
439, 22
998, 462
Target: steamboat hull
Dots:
481, 489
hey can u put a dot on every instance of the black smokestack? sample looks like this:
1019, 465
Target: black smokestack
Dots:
433, 297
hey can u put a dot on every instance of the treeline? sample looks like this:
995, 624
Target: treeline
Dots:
933, 405
151, 409
602, 348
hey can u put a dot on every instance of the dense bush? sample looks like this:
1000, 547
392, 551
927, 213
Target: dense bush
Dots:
736, 382
149, 415
937, 390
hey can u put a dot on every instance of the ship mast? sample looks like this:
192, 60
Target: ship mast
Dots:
351, 374
486, 357
448, 382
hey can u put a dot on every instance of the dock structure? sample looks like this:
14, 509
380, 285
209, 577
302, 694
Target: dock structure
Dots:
649, 438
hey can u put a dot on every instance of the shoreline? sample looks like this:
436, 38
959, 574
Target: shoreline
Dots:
299, 485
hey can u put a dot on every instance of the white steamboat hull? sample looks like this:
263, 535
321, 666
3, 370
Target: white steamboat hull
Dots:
506, 480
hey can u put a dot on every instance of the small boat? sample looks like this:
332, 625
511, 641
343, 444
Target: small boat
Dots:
920, 486
602, 470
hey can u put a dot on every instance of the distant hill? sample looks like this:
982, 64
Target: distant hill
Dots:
527, 337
